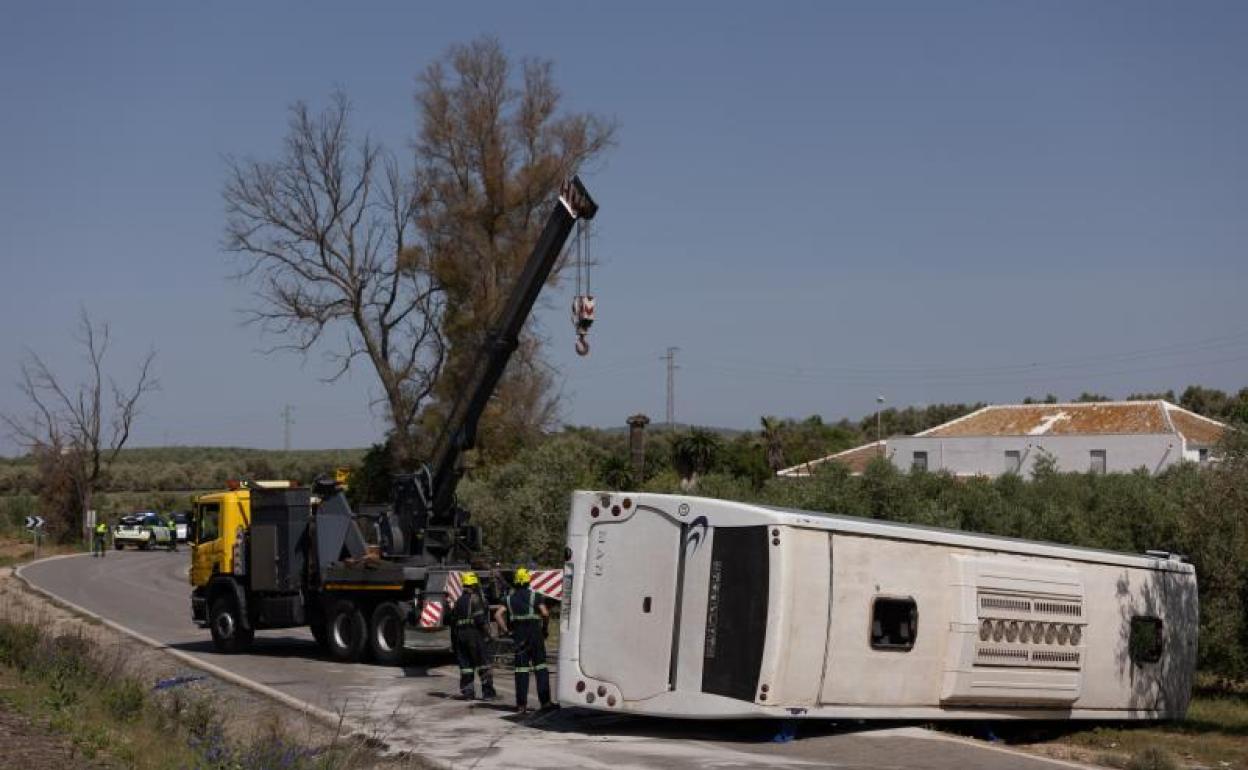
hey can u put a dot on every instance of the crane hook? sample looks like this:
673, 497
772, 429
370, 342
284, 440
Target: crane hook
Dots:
583, 308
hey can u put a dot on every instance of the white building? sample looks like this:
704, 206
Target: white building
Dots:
1102, 437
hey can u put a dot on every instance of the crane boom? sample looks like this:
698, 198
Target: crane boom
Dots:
460, 432
431, 527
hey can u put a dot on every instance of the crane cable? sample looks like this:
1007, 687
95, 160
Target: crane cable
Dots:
583, 302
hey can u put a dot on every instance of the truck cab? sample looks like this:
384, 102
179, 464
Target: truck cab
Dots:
219, 585
217, 522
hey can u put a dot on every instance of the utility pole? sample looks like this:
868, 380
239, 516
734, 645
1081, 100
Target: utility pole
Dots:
670, 358
879, 404
288, 420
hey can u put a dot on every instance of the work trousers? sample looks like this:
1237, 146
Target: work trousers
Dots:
530, 657
469, 644
97, 546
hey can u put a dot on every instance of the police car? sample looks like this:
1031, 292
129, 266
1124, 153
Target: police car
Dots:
144, 531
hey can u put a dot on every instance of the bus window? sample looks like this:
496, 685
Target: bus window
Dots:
894, 624
207, 522
1146, 640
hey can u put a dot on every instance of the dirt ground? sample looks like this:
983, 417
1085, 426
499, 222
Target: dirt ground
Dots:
26, 745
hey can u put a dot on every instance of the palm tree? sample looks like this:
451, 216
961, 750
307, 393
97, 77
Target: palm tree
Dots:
773, 442
694, 453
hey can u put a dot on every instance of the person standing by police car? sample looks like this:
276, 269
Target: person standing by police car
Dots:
99, 542
469, 621
526, 615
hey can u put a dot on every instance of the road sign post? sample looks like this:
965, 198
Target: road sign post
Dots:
35, 525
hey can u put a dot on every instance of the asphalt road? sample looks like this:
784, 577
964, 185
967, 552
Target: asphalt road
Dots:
411, 706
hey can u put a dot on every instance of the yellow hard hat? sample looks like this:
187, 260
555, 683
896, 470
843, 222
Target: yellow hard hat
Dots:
522, 577
470, 579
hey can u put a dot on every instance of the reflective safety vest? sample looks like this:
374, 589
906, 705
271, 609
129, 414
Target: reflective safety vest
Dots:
521, 605
101, 528
470, 610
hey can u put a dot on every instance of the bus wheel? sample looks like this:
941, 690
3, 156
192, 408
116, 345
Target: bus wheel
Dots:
228, 634
347, 631
385, 634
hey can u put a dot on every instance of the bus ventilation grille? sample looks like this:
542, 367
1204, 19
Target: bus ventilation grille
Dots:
1025, 606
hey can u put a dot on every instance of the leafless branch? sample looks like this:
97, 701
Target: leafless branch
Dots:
67, 422
321, 233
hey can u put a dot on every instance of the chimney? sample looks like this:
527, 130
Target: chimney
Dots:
637, 446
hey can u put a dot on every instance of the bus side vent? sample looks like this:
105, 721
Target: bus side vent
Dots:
1017, 632
989, 602
1055, 659
998, 656
1060, 608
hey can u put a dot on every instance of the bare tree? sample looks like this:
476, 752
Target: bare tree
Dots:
492, 149
414, 267
328, 236
76, 432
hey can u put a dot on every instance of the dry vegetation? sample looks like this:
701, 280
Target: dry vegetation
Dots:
87, 696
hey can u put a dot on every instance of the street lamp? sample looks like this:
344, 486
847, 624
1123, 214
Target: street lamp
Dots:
879, 404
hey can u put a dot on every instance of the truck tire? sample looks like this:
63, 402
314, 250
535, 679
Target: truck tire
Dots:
317, 625
385, 634
228, 634
320, 634
347, 631
118, 546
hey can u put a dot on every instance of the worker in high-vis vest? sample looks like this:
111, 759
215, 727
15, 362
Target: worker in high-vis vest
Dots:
524, 614
470, 621
98, 542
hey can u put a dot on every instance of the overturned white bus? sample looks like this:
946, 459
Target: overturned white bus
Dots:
691, 607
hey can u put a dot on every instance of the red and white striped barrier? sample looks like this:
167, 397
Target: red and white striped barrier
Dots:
547, 582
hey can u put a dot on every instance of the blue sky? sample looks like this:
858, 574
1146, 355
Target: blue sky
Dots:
817, 202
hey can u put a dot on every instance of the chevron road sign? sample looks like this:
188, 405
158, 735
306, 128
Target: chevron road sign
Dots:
34, 522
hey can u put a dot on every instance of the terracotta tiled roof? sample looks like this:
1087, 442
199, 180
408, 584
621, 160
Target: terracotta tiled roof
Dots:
856, 459
1199, 431
1097, 418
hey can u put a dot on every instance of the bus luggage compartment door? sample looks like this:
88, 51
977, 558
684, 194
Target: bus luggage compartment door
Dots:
629, 602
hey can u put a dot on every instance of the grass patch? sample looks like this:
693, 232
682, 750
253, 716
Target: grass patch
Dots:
1214, 734
70, 687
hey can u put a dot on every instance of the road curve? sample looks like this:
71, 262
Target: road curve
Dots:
410, 706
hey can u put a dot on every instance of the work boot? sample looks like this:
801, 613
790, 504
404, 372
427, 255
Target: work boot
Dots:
489, 694
548, 706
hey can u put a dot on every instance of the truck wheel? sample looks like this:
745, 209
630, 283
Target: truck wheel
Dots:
118, 546
320, 633
228, 634
385, 634
347, 631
